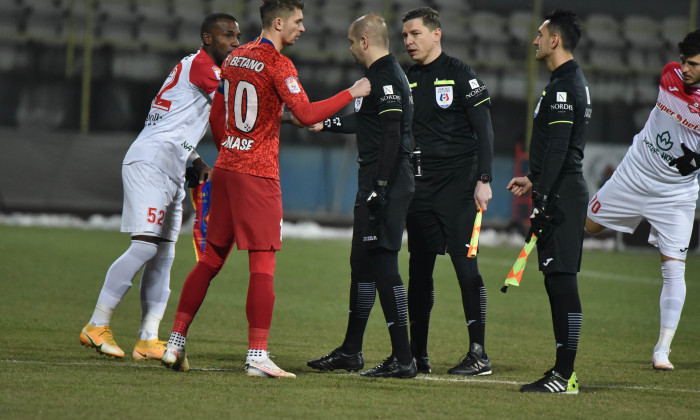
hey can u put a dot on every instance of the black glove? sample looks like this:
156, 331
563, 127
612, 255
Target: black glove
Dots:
192, 177
688, 163
377, 198
540, 222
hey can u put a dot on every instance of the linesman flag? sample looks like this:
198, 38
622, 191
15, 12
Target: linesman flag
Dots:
474, 243
516, 273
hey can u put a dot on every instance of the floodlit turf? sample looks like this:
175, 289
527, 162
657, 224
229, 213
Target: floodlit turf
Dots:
50, 279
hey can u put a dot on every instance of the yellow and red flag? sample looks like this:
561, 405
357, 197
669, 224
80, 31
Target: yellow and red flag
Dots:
516, 273
474, 243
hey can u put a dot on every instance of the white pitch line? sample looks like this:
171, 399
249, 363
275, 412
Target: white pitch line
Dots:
138, 365
419, 377
488, 381
621, 277
585, 386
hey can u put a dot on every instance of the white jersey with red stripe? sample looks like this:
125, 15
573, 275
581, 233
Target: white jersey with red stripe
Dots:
178, 116
643, 185
674, 120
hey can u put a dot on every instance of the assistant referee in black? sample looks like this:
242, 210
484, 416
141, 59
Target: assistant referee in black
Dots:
452, 127
382, 121
559, 192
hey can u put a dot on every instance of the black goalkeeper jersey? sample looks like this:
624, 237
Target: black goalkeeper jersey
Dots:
444, 90
390, 92
561, 117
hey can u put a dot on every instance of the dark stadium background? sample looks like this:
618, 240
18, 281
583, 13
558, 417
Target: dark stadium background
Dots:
68, 113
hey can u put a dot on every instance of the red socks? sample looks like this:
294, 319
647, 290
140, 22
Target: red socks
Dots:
261, 298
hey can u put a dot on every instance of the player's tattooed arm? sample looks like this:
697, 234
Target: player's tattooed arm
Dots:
289, 118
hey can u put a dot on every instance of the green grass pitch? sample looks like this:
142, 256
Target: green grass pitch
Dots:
50, 280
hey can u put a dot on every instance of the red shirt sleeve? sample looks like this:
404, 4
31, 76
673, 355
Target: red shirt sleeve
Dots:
285, 80
292, 93
204, 73
217, 119
309, 113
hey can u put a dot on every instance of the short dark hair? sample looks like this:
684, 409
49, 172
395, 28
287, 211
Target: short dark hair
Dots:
429, 16
272, 9
690, 46
566, 24
210, 21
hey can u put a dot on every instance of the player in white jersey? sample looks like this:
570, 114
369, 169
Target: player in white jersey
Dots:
657, 181
153, 173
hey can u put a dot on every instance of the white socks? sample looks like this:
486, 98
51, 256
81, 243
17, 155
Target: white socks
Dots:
119, 278
256, 355
149, 326
155, 290
101, 316
177, 341
671, 301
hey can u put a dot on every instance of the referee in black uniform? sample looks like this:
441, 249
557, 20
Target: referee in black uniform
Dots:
382, 121
559, 192
452, 127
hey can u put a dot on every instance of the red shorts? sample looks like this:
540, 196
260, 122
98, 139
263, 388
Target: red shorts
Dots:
245, 209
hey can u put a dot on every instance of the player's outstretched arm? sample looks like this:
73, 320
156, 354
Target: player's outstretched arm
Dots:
346, 123
361, 88
309, 113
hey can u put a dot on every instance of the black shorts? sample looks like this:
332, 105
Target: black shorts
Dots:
561, 253
386, 230
441, 215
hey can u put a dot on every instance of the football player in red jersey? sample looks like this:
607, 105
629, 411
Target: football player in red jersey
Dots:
247, 202
153, 174
657, 181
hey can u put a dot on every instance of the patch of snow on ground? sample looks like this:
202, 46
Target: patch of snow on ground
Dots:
300, 230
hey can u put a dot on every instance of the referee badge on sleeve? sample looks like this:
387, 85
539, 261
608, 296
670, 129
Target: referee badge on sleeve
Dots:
443, 96
537, 108
358, 104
